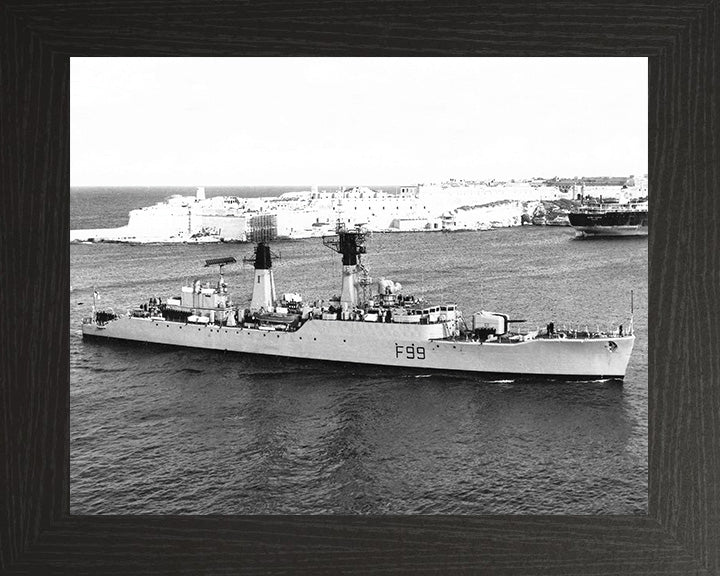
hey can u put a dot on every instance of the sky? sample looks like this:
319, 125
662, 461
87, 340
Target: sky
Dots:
353, 121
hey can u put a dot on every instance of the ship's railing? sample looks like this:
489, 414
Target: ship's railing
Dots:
409, 313
585, 208
579, 333
456, 336
584, 333
406, 319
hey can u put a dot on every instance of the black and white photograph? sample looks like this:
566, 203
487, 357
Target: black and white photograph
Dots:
359, 286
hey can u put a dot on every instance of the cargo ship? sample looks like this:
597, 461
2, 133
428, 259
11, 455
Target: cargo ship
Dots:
371, 322
610, 219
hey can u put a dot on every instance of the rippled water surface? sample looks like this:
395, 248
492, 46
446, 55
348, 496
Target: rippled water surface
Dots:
163, 430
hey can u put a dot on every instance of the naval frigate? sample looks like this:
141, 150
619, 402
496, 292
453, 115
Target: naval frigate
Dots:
371, 322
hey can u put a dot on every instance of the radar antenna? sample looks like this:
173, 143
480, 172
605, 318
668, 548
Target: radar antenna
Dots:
220, 262
348, 242
262, 257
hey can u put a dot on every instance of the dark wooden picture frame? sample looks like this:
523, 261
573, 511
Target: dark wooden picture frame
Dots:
681, 533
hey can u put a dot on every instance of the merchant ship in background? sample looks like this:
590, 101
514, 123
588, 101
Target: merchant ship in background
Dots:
626, 215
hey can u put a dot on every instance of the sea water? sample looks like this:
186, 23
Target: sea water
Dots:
181, 431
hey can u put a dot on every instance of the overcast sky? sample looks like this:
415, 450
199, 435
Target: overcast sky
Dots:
353, 121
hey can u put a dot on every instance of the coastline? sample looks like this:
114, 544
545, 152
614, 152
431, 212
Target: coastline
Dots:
448, 207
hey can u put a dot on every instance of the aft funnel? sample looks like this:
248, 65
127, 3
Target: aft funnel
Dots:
351, 244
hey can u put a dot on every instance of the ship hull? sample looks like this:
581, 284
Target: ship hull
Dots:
423, 347
590, 231
610, 223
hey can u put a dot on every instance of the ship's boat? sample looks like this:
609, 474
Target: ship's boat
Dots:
610, 219
372, 321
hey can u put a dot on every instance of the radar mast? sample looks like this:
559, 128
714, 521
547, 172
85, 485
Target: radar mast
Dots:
350, 243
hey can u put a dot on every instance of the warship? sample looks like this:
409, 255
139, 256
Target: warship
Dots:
371, 322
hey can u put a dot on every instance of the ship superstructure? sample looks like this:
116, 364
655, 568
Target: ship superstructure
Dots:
371, 322
623, 214
610, 219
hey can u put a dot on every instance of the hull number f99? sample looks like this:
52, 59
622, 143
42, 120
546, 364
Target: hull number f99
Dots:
411, 352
